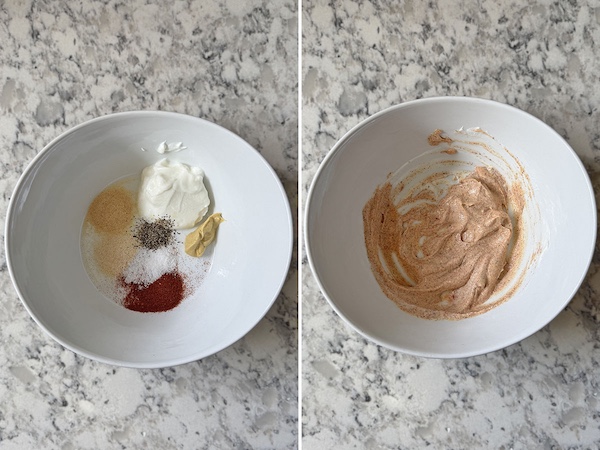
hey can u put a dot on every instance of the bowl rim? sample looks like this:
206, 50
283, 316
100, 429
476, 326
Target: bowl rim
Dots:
446, 99
168, 362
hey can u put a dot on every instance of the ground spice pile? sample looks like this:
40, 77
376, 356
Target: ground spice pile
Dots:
161, 295
156, 234
112, 210
111, 215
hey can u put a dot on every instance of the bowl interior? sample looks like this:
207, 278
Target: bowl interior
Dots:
250, 258
363, 159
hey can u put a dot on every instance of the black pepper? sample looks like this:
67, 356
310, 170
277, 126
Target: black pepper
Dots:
155, 234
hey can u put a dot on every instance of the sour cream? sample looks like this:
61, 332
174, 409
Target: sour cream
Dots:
173, 189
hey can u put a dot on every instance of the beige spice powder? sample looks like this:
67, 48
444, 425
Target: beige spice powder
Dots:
108, 224
112, 210
113, 252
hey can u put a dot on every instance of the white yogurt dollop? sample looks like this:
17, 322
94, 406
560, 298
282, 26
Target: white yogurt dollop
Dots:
173, 189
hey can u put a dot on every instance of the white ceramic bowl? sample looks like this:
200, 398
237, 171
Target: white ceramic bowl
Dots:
250, 258
362, 159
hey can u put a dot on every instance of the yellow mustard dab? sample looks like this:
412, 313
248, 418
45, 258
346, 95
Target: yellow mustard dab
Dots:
197, 241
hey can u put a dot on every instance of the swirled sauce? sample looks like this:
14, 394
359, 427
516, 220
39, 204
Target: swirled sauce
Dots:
441, 258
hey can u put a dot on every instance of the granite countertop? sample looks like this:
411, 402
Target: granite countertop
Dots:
233, 63
361, 57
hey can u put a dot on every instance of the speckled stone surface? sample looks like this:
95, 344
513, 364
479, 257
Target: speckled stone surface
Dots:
227, 61
360, 57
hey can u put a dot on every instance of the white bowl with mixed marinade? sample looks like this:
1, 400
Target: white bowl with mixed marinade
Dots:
450, 227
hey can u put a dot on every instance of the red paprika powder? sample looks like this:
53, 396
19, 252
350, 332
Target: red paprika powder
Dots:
162, 295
